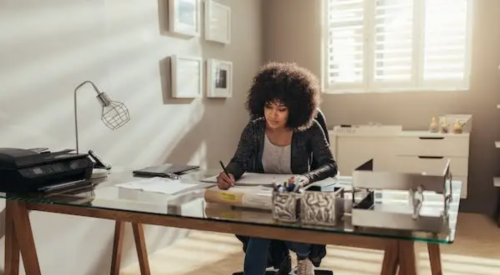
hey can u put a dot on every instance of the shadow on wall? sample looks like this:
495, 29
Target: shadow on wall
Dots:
209, 134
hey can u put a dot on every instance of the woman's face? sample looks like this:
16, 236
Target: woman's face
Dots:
276, 115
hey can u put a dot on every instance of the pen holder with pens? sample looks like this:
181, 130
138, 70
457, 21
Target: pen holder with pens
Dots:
286, 206
322, 207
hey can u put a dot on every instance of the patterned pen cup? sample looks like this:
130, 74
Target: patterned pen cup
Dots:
286, 206
322, 208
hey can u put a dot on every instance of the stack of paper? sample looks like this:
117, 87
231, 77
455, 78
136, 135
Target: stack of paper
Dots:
160, 185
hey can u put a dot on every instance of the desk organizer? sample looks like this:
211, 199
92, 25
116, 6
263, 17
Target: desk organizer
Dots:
322, 208
404, 215
286, 206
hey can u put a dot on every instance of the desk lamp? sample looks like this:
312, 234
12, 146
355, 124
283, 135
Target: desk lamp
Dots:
114, 115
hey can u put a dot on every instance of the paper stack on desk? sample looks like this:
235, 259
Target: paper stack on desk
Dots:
250, 197
160, 185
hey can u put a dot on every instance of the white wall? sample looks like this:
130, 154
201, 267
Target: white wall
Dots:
48, 47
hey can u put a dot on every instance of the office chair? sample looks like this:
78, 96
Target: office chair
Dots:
285, 267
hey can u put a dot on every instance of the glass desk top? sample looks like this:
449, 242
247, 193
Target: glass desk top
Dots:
105, 195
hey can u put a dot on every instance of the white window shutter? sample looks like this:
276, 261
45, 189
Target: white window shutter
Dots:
445, 50
345, 63
393, 43
397, 45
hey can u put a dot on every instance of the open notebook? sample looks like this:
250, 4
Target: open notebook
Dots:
257, 179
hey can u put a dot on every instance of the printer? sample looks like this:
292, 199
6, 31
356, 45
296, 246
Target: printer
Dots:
25, 170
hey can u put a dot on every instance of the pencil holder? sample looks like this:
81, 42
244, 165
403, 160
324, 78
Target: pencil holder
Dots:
322, 208
286, 206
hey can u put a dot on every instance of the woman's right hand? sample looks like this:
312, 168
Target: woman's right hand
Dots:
224, 181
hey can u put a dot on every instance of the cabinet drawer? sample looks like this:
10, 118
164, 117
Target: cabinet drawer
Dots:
433, 146
432, 166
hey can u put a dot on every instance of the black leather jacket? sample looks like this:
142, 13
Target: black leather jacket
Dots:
308, 146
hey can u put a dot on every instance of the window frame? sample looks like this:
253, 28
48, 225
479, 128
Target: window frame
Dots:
367, 86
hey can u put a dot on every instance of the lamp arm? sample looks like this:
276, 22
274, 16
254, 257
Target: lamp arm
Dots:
76, 107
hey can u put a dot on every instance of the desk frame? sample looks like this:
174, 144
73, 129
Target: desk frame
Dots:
399, 254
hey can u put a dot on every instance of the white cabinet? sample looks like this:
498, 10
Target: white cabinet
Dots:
402, 151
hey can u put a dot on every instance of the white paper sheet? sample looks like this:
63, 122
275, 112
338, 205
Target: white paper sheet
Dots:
160, 185
257, 179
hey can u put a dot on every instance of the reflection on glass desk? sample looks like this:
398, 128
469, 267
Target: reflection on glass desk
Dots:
192, 205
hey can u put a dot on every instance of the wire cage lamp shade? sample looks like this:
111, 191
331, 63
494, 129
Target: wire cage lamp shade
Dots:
114, 114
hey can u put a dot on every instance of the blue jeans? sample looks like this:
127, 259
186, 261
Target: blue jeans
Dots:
256, 254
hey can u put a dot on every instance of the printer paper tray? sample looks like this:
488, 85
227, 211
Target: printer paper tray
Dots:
65, 186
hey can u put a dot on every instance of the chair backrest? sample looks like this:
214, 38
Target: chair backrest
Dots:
320, 118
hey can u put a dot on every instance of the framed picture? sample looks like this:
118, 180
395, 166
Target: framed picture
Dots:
184, 17
187, 76
219, 78
217, 22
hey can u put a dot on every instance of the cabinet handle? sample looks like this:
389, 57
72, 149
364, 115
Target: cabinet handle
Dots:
430, 157
431, 137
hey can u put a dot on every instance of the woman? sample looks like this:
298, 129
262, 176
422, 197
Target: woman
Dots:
283, 138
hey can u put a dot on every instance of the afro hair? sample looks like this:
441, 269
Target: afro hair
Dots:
289, 84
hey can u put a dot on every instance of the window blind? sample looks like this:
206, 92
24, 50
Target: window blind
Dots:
446, 42
346, 41
393, 41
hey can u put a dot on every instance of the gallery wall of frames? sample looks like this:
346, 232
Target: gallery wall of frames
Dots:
190, 74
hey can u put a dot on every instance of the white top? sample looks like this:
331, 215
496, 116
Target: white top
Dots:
276, 159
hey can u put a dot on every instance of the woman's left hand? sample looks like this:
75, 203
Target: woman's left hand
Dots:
301, 181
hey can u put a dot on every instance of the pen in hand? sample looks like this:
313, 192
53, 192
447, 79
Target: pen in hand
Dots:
225, 172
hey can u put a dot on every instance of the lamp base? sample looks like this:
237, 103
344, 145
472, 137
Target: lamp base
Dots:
98, 173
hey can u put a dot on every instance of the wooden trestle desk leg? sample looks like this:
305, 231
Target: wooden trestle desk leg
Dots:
117, 248
407, 260
391, 259
140, 245
21, 240
435, 259
401, 255
11, 264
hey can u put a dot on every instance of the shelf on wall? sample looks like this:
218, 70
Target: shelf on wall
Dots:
497, 144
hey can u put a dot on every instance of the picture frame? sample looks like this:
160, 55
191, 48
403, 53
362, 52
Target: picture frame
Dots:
219, 78
217, 22
186, 76
184, 17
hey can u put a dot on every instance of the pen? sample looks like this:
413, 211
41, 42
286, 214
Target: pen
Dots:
225, 171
